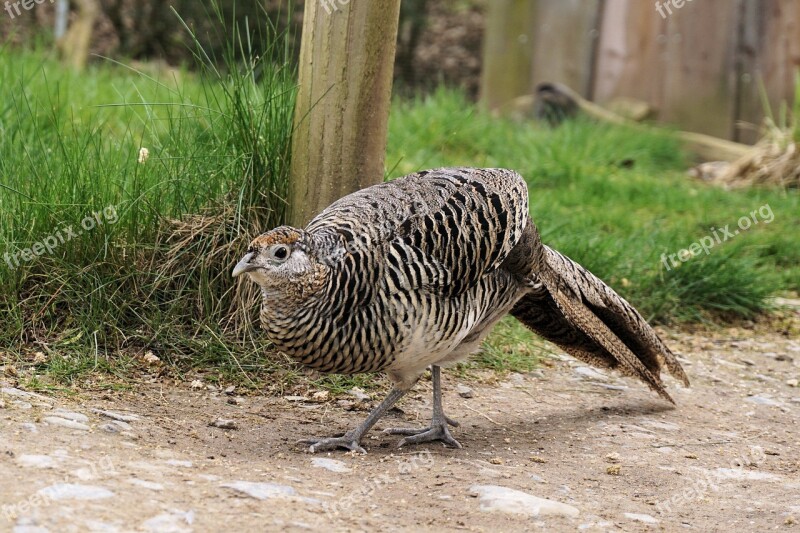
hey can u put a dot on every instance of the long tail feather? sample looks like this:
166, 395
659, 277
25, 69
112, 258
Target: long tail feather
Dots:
586, 318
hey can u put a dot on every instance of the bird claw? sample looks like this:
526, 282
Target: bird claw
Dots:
334, 443
433, 433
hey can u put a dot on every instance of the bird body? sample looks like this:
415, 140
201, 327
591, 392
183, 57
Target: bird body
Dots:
415, 272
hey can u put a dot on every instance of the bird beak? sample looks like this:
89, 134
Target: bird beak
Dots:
244, 265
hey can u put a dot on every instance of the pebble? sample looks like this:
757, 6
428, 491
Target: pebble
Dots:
179, 462
589, 373
74, 491
464, 391
333, 465
70, 415
116, 426
150, 485
792, 382
261, 491
503, 499
358, 394
173, 521
119, 417
646, 518
11, 391
224, 423
36, 461
63, 422
763, 400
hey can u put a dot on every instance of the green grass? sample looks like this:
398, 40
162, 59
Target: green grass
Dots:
157, 279
615, 199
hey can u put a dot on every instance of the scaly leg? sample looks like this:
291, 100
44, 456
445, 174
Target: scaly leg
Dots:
352, 439
438, 429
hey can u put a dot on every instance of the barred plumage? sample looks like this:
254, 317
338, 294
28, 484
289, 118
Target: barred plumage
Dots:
415, 272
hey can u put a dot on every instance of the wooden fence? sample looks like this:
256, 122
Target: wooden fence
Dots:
700, 65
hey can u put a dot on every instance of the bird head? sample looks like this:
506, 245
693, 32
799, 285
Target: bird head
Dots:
280, 261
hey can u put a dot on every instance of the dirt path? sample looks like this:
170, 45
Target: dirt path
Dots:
610, 453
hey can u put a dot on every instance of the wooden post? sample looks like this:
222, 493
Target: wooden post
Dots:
74, 45
507, 52
342, 111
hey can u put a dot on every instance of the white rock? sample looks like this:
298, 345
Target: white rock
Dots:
464, 391
763, 400
503, 499
261, 491
74, 491
179, 462
172, 522
11, 391
63, 422
70, 415
29, 426
586, 372
116, 416
37, 461
150, 485
330, 464
646, 518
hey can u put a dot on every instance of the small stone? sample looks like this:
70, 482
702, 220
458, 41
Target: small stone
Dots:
36, 461
173, 521
116, 416
586, 372
321, 396
464, 391
63, 422
792, 382
179, 462
537, 459
790, 521
237, 400
39, 358
150, 358
496, 461
333, 465
294, 398
358, 394
261, 491
613, 457
645, 518
224, 423
502, 499
70, 415
690, 456
73, 491
149, 485
230, 390
196, 384
613, 470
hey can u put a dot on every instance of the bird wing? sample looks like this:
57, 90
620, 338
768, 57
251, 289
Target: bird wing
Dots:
441, 229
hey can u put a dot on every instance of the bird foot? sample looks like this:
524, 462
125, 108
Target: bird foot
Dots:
346, 441
437, 431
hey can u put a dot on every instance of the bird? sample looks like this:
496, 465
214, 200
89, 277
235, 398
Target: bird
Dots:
413, 273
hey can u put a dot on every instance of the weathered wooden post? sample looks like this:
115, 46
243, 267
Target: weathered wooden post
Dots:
342, 111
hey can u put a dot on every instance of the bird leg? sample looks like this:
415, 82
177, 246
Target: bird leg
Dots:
352, 439
438, 429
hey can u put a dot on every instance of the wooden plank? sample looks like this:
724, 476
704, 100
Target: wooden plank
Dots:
564, 41
699, 67
770, 52
630, 52
507, 52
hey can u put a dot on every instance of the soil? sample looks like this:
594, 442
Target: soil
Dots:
727, 458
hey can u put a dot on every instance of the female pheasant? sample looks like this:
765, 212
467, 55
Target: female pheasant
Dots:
415, 272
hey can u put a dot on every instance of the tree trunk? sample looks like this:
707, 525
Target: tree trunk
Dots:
342, 110
74, 45
507, 52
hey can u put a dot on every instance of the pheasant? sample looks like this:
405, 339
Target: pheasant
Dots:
414, 273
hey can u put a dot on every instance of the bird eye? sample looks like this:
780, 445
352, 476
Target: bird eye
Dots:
280, 252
